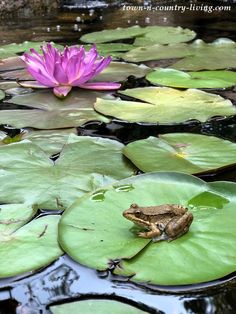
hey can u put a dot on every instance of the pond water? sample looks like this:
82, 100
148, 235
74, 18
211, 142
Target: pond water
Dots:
65, 280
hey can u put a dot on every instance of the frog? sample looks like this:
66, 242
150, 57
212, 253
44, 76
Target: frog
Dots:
164, 222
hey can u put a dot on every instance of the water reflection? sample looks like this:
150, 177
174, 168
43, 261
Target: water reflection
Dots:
67, 280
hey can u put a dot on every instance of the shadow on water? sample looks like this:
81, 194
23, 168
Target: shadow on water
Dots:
65, 280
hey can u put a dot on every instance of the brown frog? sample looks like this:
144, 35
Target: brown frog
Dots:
165, 222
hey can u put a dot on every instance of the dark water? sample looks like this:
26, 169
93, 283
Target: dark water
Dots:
65, 280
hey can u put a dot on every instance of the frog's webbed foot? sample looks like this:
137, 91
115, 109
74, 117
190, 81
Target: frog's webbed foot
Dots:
153, 233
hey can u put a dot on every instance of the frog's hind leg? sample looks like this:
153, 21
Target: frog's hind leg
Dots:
178, 226
153, 233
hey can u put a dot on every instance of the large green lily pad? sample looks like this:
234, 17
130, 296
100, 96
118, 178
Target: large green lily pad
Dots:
26, 246
164, 35
199, 55
183, 152
165, 105
85, 163
151, 35
191, 258
13, 49
203, 79
95, 306
75, 110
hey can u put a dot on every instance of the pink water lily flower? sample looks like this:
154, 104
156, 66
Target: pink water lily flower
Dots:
63, 70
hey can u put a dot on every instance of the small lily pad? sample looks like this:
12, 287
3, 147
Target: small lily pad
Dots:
84, 164
95, 306
183, 152
164, 35
26, 246
165, 105
203, 79
75, 110
109, 236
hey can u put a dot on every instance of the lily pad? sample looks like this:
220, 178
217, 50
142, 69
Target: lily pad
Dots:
183, 152
95, 306
165, 105
112, 49
203, 79
2, 95
189, 259
54, 113
11, 63
164, 35
119, 71
26, 246
199, 55
109, 35
85, 163
13, 49
50, 141
145, 36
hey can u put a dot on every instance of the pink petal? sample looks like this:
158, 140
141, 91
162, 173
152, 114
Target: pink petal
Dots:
44, 80
60, 74
61, 91
100, 85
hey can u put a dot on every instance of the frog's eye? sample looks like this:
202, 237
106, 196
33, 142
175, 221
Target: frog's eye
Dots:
137, 213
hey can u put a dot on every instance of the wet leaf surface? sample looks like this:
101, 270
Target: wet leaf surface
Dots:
85, 163
95, 306
164, 35
113, 34
203, 79
26, 246
165, 105
144, 36
185, 152
54, 113
199, 55
109, 236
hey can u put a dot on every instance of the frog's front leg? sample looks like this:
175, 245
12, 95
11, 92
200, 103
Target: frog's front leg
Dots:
178, 226
152, 233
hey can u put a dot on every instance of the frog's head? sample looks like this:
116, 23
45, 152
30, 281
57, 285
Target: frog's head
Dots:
133, 213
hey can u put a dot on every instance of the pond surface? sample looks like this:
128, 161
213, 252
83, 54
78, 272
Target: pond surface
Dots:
65, 279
